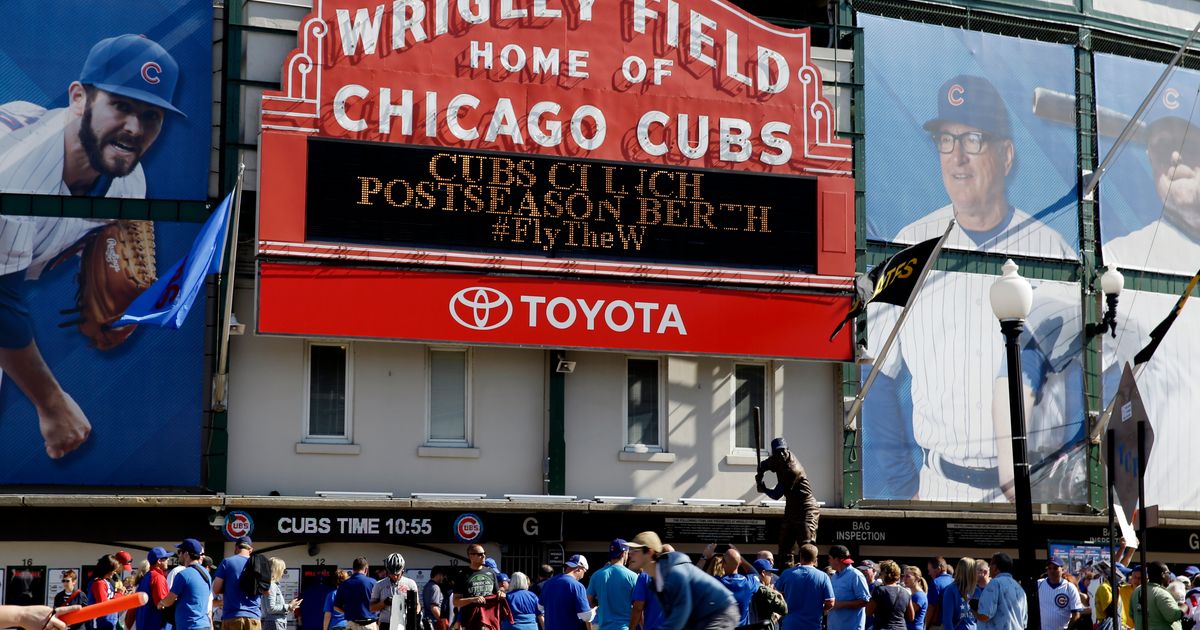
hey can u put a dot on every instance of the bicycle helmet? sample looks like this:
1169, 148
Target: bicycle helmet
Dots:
394, 563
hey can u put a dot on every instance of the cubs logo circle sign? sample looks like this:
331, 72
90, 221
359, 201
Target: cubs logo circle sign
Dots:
238, 524
468, 528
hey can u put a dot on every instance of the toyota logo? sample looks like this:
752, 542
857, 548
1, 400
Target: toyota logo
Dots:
481, 308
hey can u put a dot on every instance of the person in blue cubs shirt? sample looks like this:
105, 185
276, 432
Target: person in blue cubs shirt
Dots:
192, 589
239, 612
690, 597
742, 585
565, 599
610, 589
353, 598
808, 592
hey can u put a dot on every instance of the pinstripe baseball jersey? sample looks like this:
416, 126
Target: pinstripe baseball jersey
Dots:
1160, 246
1057, 603
952, 348
1168, 389
31, 161
1021, 234
31, 155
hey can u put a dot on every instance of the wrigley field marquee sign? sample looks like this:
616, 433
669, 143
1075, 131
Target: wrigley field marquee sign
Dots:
643, 140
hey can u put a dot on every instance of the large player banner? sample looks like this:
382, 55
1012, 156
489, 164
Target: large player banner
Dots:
139, 403
106, 98
1167, 390
1150, 193
936, 425
952, 131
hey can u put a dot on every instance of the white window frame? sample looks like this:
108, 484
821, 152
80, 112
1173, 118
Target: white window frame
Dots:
348, 435
468, 407
623, 396
768, 405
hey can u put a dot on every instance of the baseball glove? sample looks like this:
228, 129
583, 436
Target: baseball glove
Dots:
117, 264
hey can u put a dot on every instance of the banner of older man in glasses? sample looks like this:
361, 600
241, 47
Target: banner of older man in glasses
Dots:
951, 134
1150, 219
1150, 195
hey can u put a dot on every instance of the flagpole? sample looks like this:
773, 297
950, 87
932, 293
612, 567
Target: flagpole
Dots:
851, 416
220, 380
1127, 132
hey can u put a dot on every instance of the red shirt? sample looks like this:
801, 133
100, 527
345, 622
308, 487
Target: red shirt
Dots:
158, 585
101, 590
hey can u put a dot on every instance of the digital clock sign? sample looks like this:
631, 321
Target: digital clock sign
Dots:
432, 197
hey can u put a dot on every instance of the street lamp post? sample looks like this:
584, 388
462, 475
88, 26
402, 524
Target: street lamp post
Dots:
1012, 299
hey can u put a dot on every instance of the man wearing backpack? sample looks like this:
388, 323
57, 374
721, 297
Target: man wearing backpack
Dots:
241, 610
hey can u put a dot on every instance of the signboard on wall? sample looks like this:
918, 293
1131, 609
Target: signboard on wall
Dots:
552, 313
389, 526
497, 202
950, 132
698, 135
140, 401
1014, 192
64, 104
1148, 205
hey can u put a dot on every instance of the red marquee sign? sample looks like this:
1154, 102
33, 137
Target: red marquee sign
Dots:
534, 312
675, 83
656, 92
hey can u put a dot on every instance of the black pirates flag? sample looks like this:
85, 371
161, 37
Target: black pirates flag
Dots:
893, 281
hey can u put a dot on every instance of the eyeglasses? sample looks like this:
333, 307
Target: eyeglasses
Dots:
973, 142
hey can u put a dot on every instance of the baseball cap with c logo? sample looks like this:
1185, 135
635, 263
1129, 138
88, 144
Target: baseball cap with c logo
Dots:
135, 67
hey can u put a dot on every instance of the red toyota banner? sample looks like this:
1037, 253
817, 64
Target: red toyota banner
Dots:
395, 304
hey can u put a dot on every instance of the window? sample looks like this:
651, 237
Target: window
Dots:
749, 391
328, 388
642, 405
448, 398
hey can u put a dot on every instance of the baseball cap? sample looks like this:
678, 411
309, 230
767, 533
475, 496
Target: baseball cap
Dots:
1191, 570
616, 548
972, 101
765, 565
867, 564
577, 560
192, 546
1054, 561
778, 444
491, 563
839, 551
158, 553
125, 559
646, 540
503, 577
133, 66
1124, 570
244, 540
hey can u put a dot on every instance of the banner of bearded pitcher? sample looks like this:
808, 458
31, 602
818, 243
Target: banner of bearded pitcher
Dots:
112, 99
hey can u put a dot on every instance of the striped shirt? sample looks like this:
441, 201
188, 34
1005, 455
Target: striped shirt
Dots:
1058, 602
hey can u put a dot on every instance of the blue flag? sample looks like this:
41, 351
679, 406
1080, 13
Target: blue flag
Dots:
167, 302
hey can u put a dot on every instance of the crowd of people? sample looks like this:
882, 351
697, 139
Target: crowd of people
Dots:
644, 585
